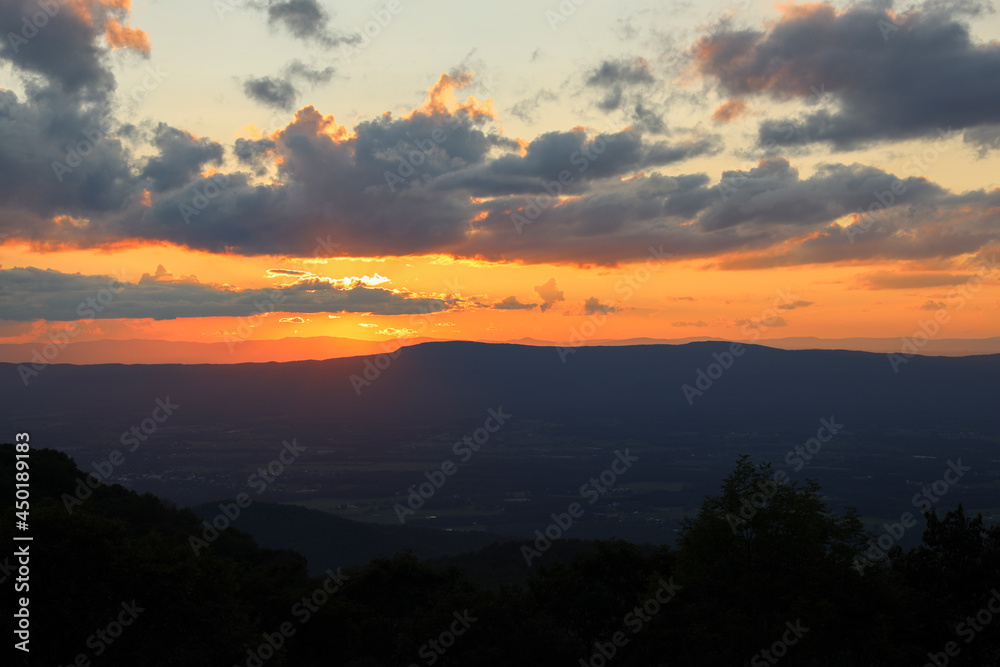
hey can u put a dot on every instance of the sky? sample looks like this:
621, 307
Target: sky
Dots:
209, 170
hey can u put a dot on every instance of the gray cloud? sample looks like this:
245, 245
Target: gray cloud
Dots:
271, 92
281, 92
613, 77
889, 78
28, 294
511, 303
306, 20
181, 157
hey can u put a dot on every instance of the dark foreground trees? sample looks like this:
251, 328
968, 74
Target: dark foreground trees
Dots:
765, 573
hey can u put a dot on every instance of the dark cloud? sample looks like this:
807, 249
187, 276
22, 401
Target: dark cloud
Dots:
66, 50
271, 92
890, 77
281, 92
306, 20
984, 139
59, 156
445, 179
181, 157
584, 158
253, 151
613, 77
549, 294
699, 323
511, 303
30, 294
297, 69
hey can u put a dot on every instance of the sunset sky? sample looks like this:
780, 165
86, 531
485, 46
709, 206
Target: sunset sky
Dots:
497, 171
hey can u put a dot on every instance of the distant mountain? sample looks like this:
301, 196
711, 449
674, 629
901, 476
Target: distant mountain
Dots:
448, 382
139, 351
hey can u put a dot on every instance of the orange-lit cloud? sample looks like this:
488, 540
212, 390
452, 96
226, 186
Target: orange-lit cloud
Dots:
308, 120
120, 36
441, 99
729, 110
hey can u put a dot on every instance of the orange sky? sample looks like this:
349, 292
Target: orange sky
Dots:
705, 146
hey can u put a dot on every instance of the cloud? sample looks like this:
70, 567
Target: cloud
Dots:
287, 272
396, 333
306, 20
445, 179
592, 306
67, 50
930, 304
511, 303
181, 157
699, 323
271, 92
291, 320
28, 294
892, 280
120, 36
526, 108
613, 76
729, 111
281, 92
549, 294
874, 65
984, 139
795, 304
757, 323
